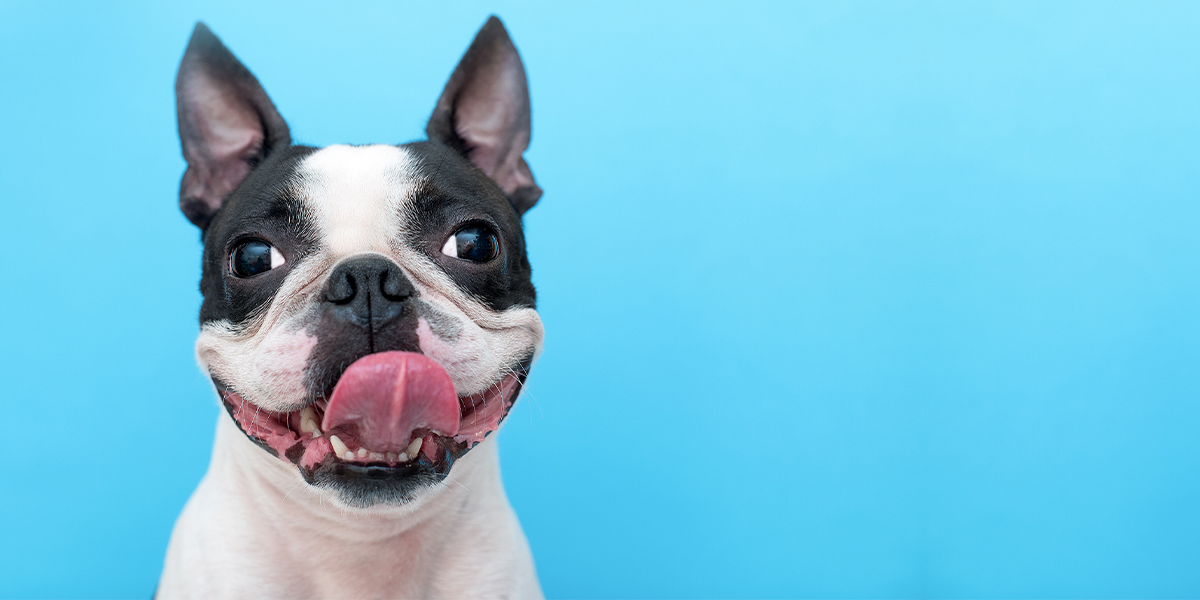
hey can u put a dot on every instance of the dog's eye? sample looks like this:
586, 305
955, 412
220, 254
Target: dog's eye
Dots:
253, 257
476, 243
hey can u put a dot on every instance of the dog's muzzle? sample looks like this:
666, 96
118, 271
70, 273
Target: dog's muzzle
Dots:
390, 414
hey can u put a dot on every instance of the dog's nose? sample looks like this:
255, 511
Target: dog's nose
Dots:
368, 291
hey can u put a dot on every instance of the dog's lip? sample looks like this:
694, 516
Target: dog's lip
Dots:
280, 434
374, 471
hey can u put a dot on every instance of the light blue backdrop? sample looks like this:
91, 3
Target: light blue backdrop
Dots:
843, 300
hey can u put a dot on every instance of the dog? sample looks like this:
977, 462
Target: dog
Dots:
368, 319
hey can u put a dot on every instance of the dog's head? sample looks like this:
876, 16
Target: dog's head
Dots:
368, 311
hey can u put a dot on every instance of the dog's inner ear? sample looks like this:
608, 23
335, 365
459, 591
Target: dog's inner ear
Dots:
227, 124
484, 114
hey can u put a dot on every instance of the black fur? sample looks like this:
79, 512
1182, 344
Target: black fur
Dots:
453, 193
265, 207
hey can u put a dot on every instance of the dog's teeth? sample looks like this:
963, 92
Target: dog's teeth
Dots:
402, 457
308, 421
308, 414
362, 453
377, 456
413, 448
310, 426
391, 456
339, 448
348, 455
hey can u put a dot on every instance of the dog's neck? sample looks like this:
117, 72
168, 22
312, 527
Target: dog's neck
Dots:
270, 517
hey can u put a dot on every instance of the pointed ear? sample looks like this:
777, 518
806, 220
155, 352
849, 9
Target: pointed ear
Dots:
227, 124
484, 114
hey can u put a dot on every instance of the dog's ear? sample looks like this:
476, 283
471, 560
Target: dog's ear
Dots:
484, 114
227, 124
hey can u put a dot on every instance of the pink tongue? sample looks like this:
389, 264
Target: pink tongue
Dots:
389, 395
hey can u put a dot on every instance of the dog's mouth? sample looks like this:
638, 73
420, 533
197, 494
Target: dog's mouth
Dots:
391, 416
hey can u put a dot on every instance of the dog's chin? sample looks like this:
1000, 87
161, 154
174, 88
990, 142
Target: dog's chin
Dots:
362, 477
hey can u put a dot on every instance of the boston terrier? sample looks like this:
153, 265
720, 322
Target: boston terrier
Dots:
368, 320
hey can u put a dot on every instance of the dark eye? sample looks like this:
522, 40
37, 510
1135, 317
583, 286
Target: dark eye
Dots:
253, 257
476, 243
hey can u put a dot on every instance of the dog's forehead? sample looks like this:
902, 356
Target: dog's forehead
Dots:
358, 195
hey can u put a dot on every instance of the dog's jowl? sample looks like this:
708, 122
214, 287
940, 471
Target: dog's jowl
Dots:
368, 320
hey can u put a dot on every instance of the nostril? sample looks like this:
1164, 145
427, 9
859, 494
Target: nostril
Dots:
396, 289
342, 290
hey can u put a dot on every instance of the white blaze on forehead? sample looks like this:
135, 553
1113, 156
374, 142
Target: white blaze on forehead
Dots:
358, 194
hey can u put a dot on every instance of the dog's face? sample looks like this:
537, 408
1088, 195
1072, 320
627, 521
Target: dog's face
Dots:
368, 311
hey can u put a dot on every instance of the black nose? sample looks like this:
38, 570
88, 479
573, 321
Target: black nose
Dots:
368, 291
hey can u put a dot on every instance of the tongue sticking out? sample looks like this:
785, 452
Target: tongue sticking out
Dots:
391, 394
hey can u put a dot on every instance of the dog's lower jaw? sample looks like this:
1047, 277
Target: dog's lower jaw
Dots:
253, 528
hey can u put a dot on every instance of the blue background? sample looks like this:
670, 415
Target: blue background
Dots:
843, 299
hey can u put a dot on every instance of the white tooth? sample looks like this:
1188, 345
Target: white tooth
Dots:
349, 455
402, 457
362, 452
339, 448
308, 421
391, 456
310, 426
377, 456
308, 413
413, 448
